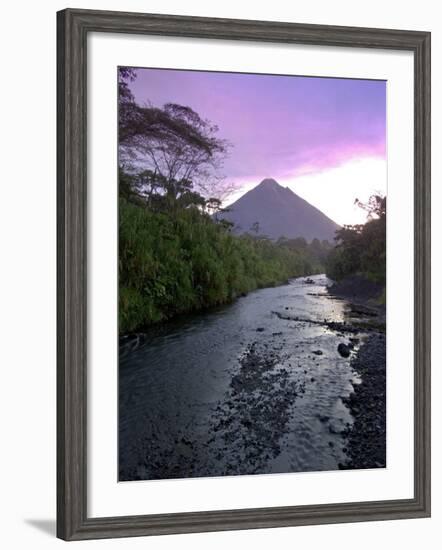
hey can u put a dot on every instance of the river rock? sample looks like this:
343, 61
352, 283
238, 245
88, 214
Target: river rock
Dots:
343, 350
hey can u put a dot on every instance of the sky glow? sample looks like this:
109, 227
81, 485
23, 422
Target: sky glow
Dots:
325, 138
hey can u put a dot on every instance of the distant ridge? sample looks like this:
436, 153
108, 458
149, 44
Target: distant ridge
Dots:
275, 211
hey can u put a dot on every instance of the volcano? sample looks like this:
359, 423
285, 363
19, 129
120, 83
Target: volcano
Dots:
274, 211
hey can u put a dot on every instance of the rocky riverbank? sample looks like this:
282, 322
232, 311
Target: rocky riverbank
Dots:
366, 438
366, 446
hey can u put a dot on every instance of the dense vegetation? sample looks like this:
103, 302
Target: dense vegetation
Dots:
175, 256
171, 264
361, 249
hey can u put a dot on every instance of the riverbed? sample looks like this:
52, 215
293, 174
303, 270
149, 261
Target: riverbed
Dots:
254, 387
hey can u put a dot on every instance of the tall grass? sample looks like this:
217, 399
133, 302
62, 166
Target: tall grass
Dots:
181, 262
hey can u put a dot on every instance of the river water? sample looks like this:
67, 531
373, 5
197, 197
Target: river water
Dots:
252, 387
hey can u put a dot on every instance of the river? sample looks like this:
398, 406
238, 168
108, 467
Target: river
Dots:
249, 388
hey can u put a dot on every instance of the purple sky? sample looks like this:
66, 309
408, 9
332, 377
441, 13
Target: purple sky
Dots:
279, 125
284, 127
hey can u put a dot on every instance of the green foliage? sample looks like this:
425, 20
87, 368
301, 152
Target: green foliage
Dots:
361, 249
182, 261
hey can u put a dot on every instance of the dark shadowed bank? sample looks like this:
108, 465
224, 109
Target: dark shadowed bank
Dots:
366, 446
367, 436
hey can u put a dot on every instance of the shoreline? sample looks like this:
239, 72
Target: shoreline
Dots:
366, 446
125, 337
366, 297
366, 438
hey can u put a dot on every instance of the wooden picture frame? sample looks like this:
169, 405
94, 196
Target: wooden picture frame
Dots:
73, 26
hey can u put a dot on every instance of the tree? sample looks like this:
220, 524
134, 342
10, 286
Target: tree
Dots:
128, 111
361, 248
173, 142
376, 206
152, 190
213, 205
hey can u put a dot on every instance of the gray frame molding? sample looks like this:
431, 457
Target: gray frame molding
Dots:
72, 28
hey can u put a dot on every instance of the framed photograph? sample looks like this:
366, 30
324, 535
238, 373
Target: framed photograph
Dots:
243, 316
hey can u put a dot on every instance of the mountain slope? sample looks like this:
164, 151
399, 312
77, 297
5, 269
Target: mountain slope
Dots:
279, 213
